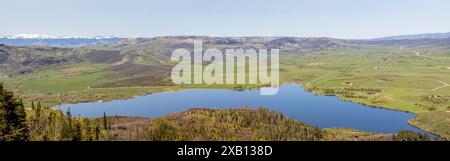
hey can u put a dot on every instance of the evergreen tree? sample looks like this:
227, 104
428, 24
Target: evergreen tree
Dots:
51, 125
32, 105
66, 129
86, 129
12, 117
97, 131
76, 134
37, 115
105, 121
69, 118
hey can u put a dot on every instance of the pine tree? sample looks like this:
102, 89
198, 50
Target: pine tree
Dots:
12, 117
66, 129
37, 115
86, 129
97, 131
51, 126
69, 117
76, 134
32, 105
105, 121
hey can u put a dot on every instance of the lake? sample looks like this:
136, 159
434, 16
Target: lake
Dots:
292, 100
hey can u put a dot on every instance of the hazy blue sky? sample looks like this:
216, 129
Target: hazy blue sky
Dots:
147, 18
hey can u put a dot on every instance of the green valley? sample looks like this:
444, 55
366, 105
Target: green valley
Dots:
395, 74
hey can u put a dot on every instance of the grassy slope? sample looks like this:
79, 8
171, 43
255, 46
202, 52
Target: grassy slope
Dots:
403, 77
437, 122
407, 80
73, 83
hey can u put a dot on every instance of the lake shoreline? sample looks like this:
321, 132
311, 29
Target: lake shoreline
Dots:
186, 89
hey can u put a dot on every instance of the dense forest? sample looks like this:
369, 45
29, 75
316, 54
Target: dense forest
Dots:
38, 123
237, 124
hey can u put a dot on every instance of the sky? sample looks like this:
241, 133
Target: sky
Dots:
355, 19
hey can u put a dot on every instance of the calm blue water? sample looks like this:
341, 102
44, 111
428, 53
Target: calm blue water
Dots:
292, 100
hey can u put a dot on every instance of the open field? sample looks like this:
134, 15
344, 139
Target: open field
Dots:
407, 82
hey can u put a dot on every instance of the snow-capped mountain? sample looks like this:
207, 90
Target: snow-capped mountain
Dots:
44, 36
60, 41
26, 36
417, 36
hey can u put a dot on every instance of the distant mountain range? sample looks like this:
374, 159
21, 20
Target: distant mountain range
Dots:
57, 41
294, 44
416, 37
